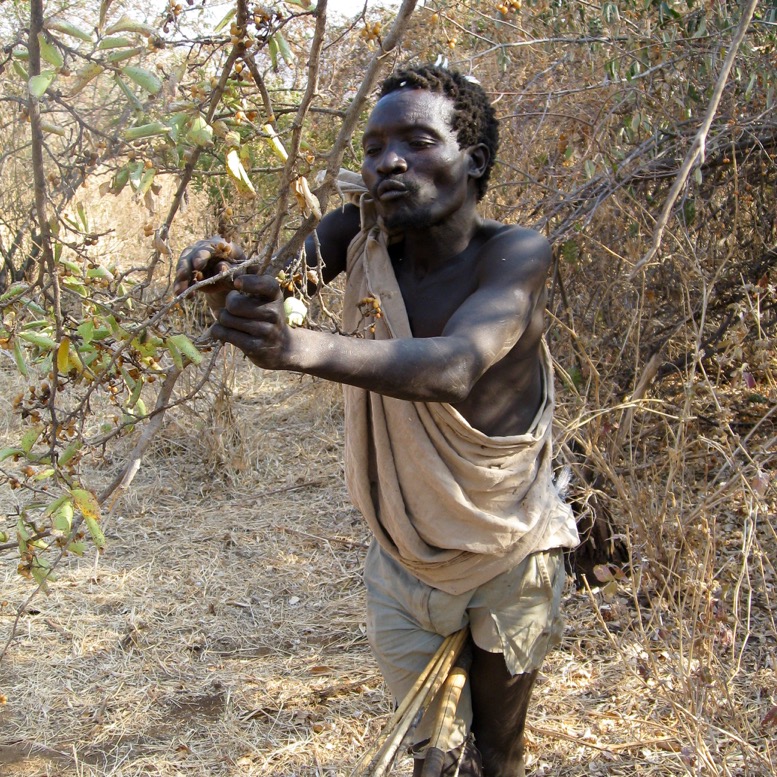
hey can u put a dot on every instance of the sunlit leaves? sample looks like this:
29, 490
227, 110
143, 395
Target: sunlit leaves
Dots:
86, 74
200, 132
49, 52
69, 29
144, 78
40, 83
238, 174
146, 131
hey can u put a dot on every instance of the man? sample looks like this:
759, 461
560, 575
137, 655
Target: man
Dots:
448, 405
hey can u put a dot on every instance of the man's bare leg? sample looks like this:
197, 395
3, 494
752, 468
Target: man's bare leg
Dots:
499, 706
469, 765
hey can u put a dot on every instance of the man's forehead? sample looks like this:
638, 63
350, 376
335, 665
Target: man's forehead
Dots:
414, 107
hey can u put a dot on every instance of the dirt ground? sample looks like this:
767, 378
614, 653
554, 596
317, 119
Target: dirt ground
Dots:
222, 630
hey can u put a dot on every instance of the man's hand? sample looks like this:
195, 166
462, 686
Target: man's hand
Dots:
253, 319
205, 259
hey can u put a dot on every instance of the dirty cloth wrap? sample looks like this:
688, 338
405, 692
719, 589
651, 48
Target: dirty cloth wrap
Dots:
454, 506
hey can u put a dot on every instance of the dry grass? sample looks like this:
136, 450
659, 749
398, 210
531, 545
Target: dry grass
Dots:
222, 631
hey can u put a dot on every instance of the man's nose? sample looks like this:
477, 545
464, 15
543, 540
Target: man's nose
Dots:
391, 162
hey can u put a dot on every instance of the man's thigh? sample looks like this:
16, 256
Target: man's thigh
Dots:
404, 634
514, 620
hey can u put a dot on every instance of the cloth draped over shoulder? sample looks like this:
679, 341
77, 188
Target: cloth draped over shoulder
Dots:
454, 506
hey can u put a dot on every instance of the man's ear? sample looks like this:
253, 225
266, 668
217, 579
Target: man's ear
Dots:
479, 157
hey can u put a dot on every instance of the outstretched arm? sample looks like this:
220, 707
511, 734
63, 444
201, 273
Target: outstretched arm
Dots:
512, 268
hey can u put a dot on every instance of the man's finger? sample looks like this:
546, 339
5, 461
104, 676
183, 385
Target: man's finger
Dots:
252, 307
250, 342
202, 258
255, 321
264, 287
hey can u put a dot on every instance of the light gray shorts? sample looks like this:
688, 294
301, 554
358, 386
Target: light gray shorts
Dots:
517, 614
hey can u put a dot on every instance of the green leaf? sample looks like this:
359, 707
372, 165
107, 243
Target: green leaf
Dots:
99, 272
86, 331
44, 342
89, 71
69, 29
62, 520
119, 180
200, 132
56, 504
146, 131
75, 285
29, 438
104, 6
145, 79
69, 452
96, 532
54, 129
129, 94
121, 54
135, 395
40, 83
79, 548
82, 215
41, 572
186, 347
146, 181
20, 70
175, 353
126, 24
49, 52
18, 357
273, 53
226, 20
136, 173
283, 48
115, 42
86, 502
6, 453
14, 291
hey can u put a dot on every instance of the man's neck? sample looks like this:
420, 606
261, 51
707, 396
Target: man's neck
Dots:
426, 250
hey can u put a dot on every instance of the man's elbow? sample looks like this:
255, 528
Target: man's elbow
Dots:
457, 380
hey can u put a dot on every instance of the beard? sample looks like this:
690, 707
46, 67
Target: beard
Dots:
407, 214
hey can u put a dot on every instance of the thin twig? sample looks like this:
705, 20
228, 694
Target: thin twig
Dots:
698, 146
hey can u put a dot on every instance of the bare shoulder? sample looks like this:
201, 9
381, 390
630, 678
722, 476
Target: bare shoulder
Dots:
513, 252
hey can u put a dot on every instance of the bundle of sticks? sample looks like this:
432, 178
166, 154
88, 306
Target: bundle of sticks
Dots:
440, 675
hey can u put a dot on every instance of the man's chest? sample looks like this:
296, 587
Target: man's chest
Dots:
431, 300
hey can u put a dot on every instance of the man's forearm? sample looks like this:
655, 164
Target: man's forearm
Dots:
417, 369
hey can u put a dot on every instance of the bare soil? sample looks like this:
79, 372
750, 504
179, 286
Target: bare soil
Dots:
222, 630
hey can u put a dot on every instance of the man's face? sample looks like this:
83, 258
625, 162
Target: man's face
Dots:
413, 165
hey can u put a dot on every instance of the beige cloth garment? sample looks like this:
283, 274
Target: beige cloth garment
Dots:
454, 506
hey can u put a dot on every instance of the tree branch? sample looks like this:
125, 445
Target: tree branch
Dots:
698, 146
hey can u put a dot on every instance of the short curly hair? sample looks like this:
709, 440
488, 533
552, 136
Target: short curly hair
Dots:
474, 118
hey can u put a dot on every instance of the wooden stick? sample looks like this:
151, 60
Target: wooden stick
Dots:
377, 759
443, 723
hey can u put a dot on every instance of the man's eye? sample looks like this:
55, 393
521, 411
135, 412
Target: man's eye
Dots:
371, 150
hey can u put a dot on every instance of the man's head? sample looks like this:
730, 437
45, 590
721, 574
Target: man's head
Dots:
474, 119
